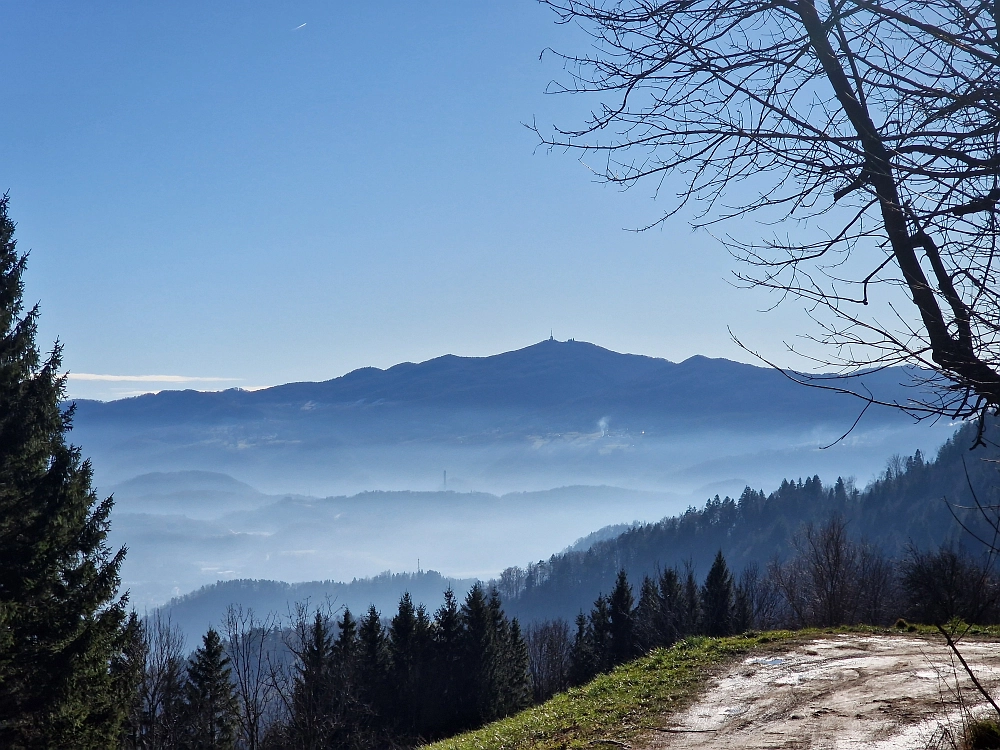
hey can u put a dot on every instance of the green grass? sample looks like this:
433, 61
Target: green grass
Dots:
615, 706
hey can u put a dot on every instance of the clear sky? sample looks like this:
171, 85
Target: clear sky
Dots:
245, 194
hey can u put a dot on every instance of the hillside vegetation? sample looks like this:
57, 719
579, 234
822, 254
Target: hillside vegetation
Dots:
910, 504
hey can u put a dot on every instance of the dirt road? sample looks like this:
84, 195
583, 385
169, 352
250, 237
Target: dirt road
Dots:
839, 692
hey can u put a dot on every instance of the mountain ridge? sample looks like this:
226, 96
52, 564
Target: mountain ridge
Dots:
550, 414
570, 373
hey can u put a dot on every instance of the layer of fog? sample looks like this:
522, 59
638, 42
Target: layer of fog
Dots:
188, 529
686, 464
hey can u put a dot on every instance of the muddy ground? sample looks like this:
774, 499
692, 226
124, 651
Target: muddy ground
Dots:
847, 691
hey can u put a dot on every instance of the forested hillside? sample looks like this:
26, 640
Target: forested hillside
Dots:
908, 504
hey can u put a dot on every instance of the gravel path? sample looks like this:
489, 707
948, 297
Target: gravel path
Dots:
873, 692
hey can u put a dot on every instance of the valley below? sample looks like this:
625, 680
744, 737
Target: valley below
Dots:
189, 529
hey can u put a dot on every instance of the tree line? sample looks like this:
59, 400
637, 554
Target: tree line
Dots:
331, 681
829, 580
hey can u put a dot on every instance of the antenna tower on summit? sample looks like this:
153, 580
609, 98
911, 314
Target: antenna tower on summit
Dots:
551, 337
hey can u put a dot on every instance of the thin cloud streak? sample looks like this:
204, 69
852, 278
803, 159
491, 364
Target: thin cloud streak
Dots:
148, 378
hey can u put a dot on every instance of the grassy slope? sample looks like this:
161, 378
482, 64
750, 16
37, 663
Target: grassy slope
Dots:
615, 706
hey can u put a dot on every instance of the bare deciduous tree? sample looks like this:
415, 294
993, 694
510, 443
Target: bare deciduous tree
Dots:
878, 593
549, 646
867, 129
249, 642
833, 580
831, 564
946, 583
758, 598
160, 689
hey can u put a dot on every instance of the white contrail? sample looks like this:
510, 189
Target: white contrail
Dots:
298, 27
148, 378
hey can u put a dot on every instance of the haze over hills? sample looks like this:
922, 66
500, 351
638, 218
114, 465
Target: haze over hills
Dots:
345, 479
189, 529
551, 414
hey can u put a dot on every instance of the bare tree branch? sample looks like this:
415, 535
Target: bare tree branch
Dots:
872, 127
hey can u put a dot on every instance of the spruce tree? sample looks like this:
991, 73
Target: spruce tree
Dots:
345, 657
582, 660
347, 705
648, 614
670, 624
511, 676
517, 671
717, 599
478, 663
690, 603
599, 632
312, 692
209, 700
621, 622
373, 663
346, 646
409, 635
62, 627
446, 671
129, 672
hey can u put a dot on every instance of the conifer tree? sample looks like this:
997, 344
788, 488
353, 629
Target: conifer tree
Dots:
648, 614
446, 644
620, 621
346, 645
517, 673
509, 654
717, 599
599, 633
409, 635
691, 603
478, 663
312, 693
582, 660
62, 627
129, 672
347, 707
373, 662
209, 700
671, 616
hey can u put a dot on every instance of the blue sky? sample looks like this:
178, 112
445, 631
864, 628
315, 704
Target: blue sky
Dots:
235, 194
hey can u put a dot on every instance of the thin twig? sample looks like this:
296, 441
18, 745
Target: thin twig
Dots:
968, 670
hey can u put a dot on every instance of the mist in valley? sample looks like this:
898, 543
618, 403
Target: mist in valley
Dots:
502, 505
